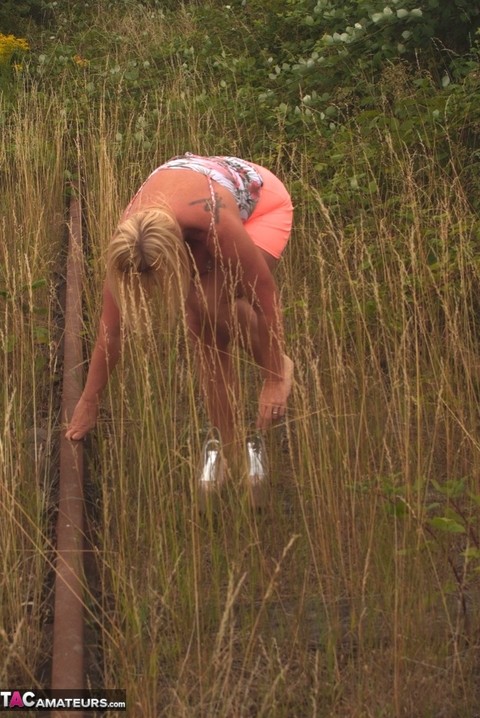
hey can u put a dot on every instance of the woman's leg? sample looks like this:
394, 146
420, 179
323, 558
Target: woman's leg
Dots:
212, 325
209, 319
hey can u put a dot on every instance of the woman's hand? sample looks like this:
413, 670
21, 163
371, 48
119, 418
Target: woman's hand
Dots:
84, 418
274, 396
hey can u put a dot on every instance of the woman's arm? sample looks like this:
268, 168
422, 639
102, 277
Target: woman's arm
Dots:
217, 217
105, 356
261, 291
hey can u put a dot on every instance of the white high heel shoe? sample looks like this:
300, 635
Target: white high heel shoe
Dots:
212, 466
257, 470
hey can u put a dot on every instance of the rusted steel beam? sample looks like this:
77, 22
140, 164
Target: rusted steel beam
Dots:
68, 628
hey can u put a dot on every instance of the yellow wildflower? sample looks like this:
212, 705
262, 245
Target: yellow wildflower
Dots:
9, 44
79, 60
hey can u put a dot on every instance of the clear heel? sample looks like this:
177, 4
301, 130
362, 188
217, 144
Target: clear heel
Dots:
257, 471
212, 466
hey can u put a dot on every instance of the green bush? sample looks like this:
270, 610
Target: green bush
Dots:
17, 16
304, 71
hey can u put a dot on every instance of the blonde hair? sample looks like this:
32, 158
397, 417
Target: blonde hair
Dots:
146, 256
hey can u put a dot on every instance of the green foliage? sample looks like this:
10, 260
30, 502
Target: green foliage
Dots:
330, 74
333, 77
315, 49
382, 30
17, 16
451, 516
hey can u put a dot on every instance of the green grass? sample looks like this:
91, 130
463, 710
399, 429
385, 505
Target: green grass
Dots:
353, 593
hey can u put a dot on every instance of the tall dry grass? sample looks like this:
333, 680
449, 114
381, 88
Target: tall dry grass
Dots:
343, 598
353, 593
31, 229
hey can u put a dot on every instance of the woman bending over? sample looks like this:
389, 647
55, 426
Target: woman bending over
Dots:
206, 232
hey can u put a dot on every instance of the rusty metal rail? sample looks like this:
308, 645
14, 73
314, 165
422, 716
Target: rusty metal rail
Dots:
68, 627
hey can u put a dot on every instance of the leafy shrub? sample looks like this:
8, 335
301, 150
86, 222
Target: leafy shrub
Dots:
17, 16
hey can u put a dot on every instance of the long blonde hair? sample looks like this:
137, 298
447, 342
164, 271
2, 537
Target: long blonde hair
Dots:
146, 256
